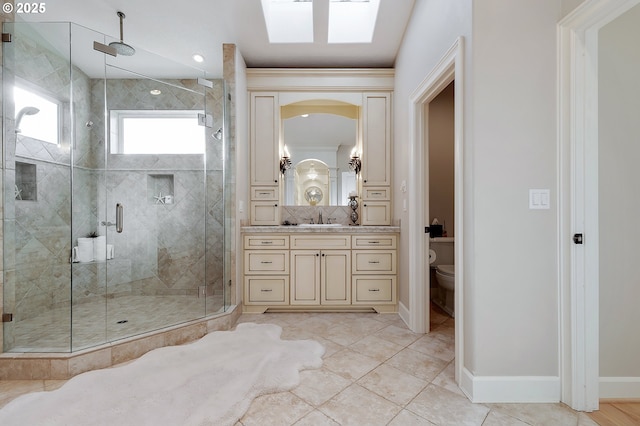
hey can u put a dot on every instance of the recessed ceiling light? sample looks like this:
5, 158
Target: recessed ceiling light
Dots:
304, 115
198, 57
155, 92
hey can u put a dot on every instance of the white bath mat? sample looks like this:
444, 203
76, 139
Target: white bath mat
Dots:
209, 382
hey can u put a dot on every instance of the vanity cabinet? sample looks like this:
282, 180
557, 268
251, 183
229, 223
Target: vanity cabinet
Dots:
322, 275
303, 271
376, 159
264, 170
374, 269
266, 270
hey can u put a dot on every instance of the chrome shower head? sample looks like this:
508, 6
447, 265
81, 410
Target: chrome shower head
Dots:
121, 47
28, 110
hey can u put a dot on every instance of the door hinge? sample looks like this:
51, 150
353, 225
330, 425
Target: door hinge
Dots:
205, 120
105, 49
6, 37
7, 317
577, 239
204, 82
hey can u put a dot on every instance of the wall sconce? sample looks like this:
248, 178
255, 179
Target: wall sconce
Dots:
355, 163
285, 161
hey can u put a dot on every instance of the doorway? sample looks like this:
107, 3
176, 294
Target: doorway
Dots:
449, 70
594, 117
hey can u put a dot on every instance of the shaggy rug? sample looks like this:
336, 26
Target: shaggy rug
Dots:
208, 382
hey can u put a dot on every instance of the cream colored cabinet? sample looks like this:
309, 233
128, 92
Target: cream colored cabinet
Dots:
374, 270
376, 159
320, 271
266, 270
320, 277
264, 155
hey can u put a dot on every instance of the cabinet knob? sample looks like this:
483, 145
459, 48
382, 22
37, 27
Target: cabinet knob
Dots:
275, 205
276, 180
317, 254
365, 181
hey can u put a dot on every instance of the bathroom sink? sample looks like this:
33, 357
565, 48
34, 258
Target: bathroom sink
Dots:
319, 225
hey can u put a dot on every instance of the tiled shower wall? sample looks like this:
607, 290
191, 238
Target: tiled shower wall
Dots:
163, 252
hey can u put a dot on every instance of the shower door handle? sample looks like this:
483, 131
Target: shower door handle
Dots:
119, 218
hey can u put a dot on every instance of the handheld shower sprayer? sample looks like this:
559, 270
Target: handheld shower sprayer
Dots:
28, 110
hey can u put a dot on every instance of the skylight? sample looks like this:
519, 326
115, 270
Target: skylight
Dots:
289, 21
352, 21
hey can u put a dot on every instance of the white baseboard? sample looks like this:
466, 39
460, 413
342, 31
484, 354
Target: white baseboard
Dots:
620, 387
497, 389
403, 312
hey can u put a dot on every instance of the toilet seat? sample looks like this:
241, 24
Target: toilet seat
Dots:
448, 270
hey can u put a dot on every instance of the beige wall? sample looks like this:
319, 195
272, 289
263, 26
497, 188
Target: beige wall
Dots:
510, 254
619, 205
441, 165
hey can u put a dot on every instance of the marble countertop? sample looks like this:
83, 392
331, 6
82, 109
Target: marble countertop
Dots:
320, 230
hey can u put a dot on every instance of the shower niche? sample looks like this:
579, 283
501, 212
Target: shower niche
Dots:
160, 189
26, 187
83, 182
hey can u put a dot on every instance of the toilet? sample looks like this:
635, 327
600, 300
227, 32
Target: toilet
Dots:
446, 278
441, 261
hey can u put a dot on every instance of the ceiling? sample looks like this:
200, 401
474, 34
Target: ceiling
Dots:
178, 29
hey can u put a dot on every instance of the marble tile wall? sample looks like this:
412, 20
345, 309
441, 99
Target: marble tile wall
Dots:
165, 252
303, 214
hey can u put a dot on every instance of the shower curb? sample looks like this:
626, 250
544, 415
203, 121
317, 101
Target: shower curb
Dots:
62, 366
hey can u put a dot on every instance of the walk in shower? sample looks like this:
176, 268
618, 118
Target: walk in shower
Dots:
115, 190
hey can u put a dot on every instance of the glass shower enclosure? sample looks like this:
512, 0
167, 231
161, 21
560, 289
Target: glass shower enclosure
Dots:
114, 191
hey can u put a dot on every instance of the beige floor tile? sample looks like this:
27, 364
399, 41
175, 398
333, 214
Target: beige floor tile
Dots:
407, 418
446, 379
445, 408
585, 420
50, 385
359, 406
434, 346
343, 335
330, 347
318, 386
393, 384
282, 408
539, 414
376, 348
350, 364
398, 335
417, 364
316, 418
11, 389
495, 418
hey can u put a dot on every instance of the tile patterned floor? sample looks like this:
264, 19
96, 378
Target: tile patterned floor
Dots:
375, 372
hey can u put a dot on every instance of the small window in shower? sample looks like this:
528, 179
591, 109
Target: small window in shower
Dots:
37, 114
156, 132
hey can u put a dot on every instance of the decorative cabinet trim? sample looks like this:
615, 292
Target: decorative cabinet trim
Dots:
331, 271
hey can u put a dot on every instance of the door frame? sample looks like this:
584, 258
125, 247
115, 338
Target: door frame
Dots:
449, 68
577, 200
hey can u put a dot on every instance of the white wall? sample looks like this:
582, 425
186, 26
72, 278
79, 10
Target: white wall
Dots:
619, 205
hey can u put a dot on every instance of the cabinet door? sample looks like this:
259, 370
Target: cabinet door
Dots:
376, 149
265, 213
376, 213
335, 277
305, 277
264, 139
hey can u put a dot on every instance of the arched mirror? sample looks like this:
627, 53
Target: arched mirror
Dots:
319, 136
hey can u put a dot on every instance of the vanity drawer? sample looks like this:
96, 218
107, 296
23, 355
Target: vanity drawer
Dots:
319, 242
272, 290
374, 241
264, 242
266, 262
264, 193
376, 213
371, 261
376, 193
373, 288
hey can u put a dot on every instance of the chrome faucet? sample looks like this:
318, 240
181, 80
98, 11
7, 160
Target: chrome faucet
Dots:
320, 218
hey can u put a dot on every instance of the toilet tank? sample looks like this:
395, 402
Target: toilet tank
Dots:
444, 248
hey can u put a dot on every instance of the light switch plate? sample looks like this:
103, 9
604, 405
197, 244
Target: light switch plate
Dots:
539, 199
